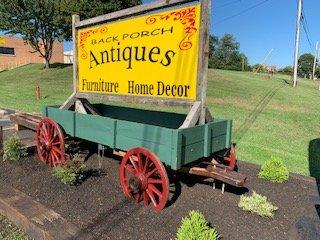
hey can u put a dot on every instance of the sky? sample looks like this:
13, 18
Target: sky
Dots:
271, 25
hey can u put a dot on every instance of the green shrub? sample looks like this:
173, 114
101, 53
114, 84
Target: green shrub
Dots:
274, 170
71, 173
195, 227
13, 149
257, 203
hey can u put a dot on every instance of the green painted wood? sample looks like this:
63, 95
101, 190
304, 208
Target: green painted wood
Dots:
156, 139
176, 150
155, 118
95, 129
66, 119
157, 131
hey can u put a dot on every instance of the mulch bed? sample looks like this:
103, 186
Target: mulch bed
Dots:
99, 207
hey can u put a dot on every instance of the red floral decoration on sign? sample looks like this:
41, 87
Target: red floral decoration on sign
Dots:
187, 17
83, 38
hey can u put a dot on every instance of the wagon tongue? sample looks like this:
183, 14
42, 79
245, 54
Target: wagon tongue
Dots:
219, 172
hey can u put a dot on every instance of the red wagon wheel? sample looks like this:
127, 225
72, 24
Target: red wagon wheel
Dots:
50, 143
143, 177
232, 159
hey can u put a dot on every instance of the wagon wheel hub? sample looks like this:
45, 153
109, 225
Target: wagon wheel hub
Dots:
144, 178
135, 184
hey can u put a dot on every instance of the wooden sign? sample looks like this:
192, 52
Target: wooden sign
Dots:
154, 55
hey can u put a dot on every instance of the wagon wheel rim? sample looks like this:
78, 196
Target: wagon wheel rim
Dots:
50, 143
144, 178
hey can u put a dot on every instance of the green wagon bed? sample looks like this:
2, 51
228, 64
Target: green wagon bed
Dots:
125, 128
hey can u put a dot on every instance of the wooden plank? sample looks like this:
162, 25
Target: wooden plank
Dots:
131, 12
75, 20
90, 107
203, 56
37, 221
193, 116
130, 99
79, 107
22, 122
222, 174
69, 102
209, 117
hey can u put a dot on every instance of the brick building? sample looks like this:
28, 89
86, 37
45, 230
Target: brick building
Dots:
15, 52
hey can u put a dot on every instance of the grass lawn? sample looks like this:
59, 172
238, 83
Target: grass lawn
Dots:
9, 232
270, 117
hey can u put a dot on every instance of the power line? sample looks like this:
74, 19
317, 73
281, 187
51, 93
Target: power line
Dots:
242, 12
227, 4
306, 28
306, 32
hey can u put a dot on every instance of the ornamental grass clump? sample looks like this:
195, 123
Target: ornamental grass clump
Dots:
257, 203
71, 173
274, 170
195, 227
13, 149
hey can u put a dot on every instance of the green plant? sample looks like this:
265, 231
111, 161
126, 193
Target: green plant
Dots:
274, 170
195, 227
71, 173
17, 236
13, 148
257, 203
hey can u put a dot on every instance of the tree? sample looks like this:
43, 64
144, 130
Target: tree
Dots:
224, 54
305, 65
41, 22
286, 70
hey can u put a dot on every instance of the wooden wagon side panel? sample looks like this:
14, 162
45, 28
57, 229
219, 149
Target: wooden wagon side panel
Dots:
95, 128
156, 139
201, 141
66, 119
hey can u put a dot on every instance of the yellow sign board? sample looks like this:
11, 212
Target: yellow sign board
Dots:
154, 55
2, 40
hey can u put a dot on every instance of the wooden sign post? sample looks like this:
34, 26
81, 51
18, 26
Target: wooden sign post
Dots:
156, 52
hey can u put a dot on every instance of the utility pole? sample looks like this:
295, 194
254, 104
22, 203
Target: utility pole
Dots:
242, 64
297, 43
315, 62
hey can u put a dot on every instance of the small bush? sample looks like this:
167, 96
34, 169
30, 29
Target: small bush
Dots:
195, 227
13, 149
71, 173
257, 204
274, 170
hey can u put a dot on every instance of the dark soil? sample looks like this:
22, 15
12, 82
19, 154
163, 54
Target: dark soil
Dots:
98, 206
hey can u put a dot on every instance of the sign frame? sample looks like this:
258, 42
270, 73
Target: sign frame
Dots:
198, 112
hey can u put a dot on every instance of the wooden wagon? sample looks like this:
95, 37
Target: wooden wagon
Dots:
151, 141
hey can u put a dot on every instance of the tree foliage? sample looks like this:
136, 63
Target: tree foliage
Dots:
41, 22
305, 65
224, 53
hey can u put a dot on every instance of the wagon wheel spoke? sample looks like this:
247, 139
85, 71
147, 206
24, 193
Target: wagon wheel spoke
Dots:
137, 197
134, 164
145, 167
146, 198
155, 190
154, 181
149, 174
130, 169
152, 198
